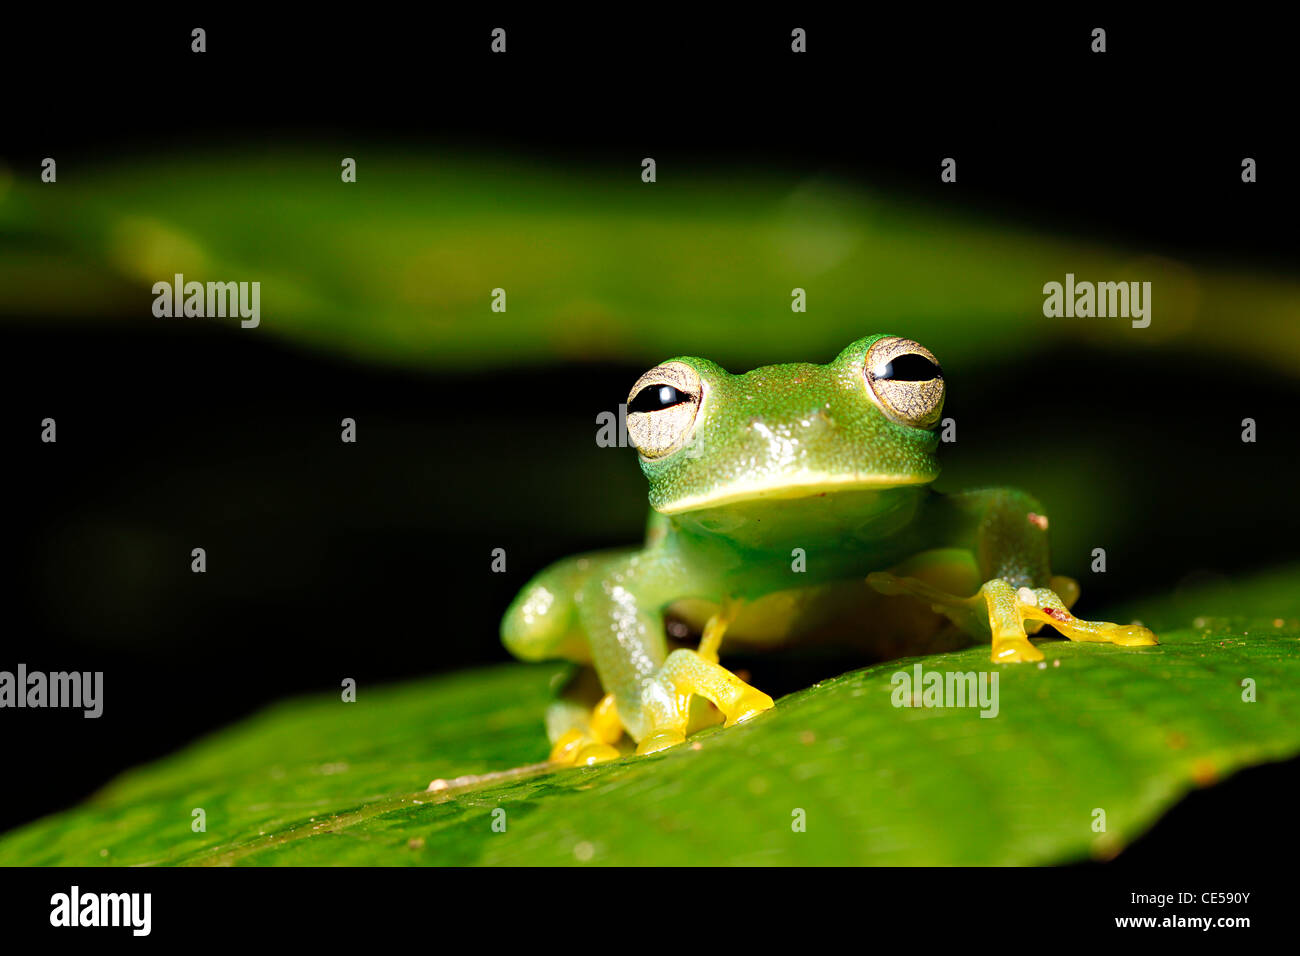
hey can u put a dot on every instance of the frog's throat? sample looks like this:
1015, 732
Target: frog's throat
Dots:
782, 487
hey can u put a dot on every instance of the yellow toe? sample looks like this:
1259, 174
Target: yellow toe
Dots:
567, 747
1131, 635
660, 741
593, 754
750, 704
1015, 650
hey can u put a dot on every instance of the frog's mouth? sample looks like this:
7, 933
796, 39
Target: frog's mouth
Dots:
785, 487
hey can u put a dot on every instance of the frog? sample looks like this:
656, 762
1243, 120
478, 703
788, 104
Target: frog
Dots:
785, 502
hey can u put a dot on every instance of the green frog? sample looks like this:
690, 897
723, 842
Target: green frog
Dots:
787, 503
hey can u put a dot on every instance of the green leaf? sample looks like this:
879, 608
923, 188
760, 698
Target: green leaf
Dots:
1126, 731
399, 267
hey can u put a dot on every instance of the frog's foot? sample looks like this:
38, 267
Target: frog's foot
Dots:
1010, 607
1006, 609
1044, 605
666, 700
582, 738
1006, 620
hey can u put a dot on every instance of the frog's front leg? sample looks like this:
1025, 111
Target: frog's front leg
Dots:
1009, 607
665, 701
1010, 545
652, 689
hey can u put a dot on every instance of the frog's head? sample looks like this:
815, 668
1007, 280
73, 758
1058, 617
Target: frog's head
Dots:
708, 438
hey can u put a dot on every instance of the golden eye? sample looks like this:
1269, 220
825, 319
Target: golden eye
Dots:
661, 408
905, 380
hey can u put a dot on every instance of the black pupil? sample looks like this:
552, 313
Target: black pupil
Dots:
909, 368
655, 397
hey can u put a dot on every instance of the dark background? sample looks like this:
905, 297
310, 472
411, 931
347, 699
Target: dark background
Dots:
369, 561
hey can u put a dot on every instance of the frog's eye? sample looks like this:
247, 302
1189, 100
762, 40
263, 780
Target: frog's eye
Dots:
905, 380
661, 408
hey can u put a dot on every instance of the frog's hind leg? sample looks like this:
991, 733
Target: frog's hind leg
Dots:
542, 622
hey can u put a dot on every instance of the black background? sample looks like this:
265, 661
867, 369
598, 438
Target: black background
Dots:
1142, 144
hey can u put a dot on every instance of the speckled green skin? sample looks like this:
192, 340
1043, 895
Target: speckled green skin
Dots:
786, 426
775, 421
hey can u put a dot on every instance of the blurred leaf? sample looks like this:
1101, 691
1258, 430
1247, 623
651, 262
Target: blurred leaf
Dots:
318, 781
597, 265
